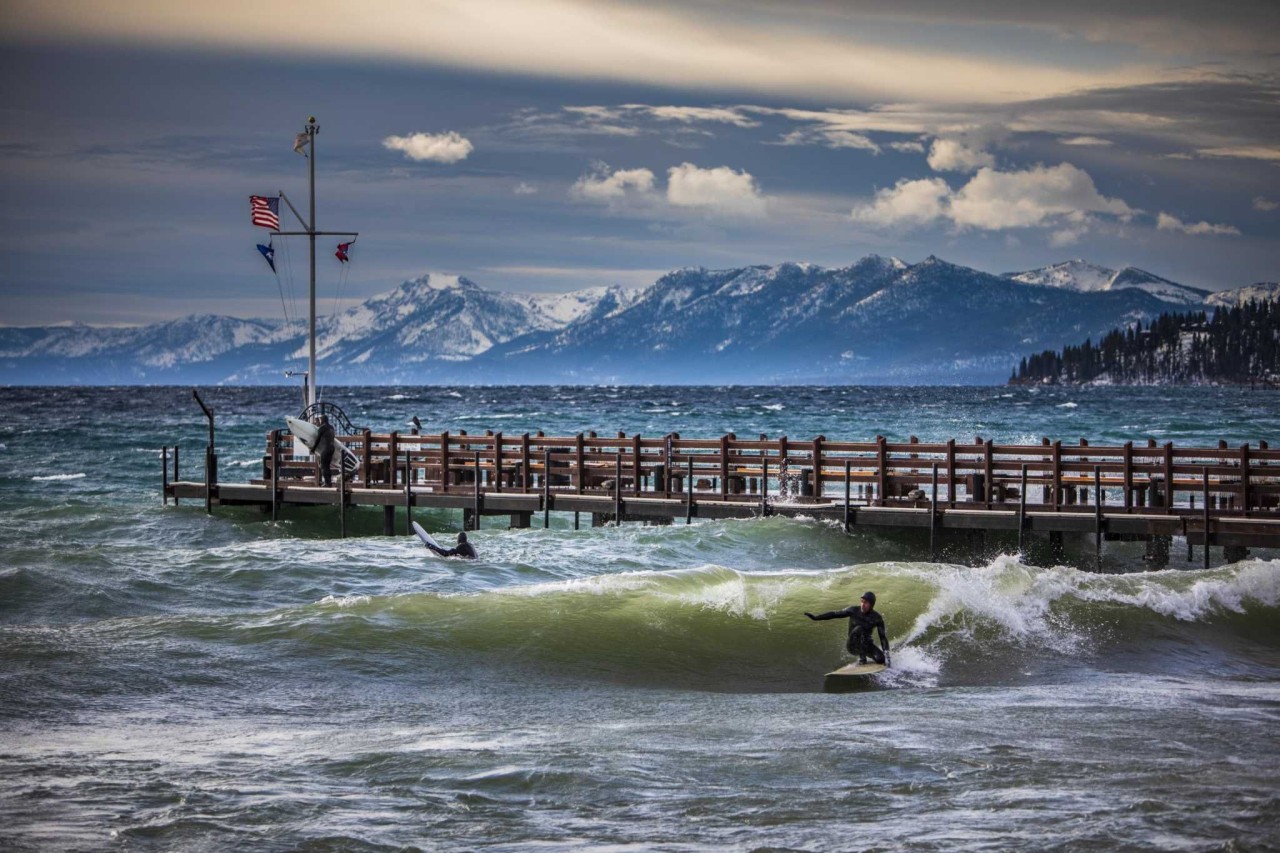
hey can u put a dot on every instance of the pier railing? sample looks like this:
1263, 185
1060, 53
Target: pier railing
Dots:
979, 474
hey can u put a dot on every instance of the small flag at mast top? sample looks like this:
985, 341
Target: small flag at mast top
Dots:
341, 254
265, 211
269, 252
300, 142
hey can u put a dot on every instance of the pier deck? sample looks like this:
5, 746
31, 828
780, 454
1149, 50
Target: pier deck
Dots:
1228, 497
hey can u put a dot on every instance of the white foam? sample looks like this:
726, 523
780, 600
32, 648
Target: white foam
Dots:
1004, 592
345, 600
1224, 589
49, 477
911, 665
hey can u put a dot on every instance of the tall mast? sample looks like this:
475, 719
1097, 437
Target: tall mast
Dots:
311, 232
312, 129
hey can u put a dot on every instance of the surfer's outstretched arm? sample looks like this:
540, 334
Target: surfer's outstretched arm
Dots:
830, 614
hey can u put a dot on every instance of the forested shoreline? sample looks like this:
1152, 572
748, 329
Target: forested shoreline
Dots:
1237, 345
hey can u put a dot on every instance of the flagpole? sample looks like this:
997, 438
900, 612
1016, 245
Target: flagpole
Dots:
312, 129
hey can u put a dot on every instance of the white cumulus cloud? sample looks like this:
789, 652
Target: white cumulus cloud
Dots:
1062, 197
1169, 222
996, 200
1264, 204
524, 188
603, 185
906, 203
720, 190
950, 155
447, 147
917, 147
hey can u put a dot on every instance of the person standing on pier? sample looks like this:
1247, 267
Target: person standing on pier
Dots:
863, 618
325, 445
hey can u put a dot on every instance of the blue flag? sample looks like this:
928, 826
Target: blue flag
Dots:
269, 252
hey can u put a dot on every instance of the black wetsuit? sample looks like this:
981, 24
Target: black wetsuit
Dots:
463, 549
324, 449
860, 628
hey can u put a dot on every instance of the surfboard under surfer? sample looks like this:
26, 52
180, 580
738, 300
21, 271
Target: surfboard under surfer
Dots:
863, 618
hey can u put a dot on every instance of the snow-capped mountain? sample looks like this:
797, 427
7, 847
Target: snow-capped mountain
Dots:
1263, 291
448, 318
1085, 277
431, 318
879, 320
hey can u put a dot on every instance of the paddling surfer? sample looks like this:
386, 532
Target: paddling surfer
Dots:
463, 549
863, 618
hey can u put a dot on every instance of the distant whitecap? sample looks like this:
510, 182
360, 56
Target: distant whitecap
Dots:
61, 477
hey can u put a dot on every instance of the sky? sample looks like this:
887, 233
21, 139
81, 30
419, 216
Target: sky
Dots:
553, 145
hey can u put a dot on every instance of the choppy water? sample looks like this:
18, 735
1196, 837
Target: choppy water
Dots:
174, 681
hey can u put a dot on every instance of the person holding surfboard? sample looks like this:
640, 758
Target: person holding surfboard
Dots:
324, 447
863, 618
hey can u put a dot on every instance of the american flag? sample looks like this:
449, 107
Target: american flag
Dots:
265, 211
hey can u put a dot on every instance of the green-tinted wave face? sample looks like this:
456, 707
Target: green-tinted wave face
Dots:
720, 629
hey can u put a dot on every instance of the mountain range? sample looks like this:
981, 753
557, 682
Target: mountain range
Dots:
879, 320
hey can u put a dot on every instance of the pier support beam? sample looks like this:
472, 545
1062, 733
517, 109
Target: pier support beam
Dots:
1158, 551
521, 520
1057, 547
1234, 553
388, 520
470, 519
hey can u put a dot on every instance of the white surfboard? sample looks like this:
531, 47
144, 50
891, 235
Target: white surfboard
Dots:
426, 537
851, 676
307, 433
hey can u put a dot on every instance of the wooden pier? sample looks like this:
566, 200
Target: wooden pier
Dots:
1215, 496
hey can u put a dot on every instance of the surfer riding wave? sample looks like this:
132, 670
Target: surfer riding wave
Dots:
863, 618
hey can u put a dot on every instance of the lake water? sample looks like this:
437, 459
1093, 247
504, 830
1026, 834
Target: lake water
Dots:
171, 680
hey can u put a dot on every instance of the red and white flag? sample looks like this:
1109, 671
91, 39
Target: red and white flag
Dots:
265, 211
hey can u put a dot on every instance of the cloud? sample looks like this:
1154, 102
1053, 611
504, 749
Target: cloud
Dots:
689, 115
1168, 222
996, 200
1242, 152
1067, 236
524, 188
435, 147
721, 190
829, 138
1264, 204
949, 155
917, 147
768, 50
906, 203
602, 185
1085, 140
